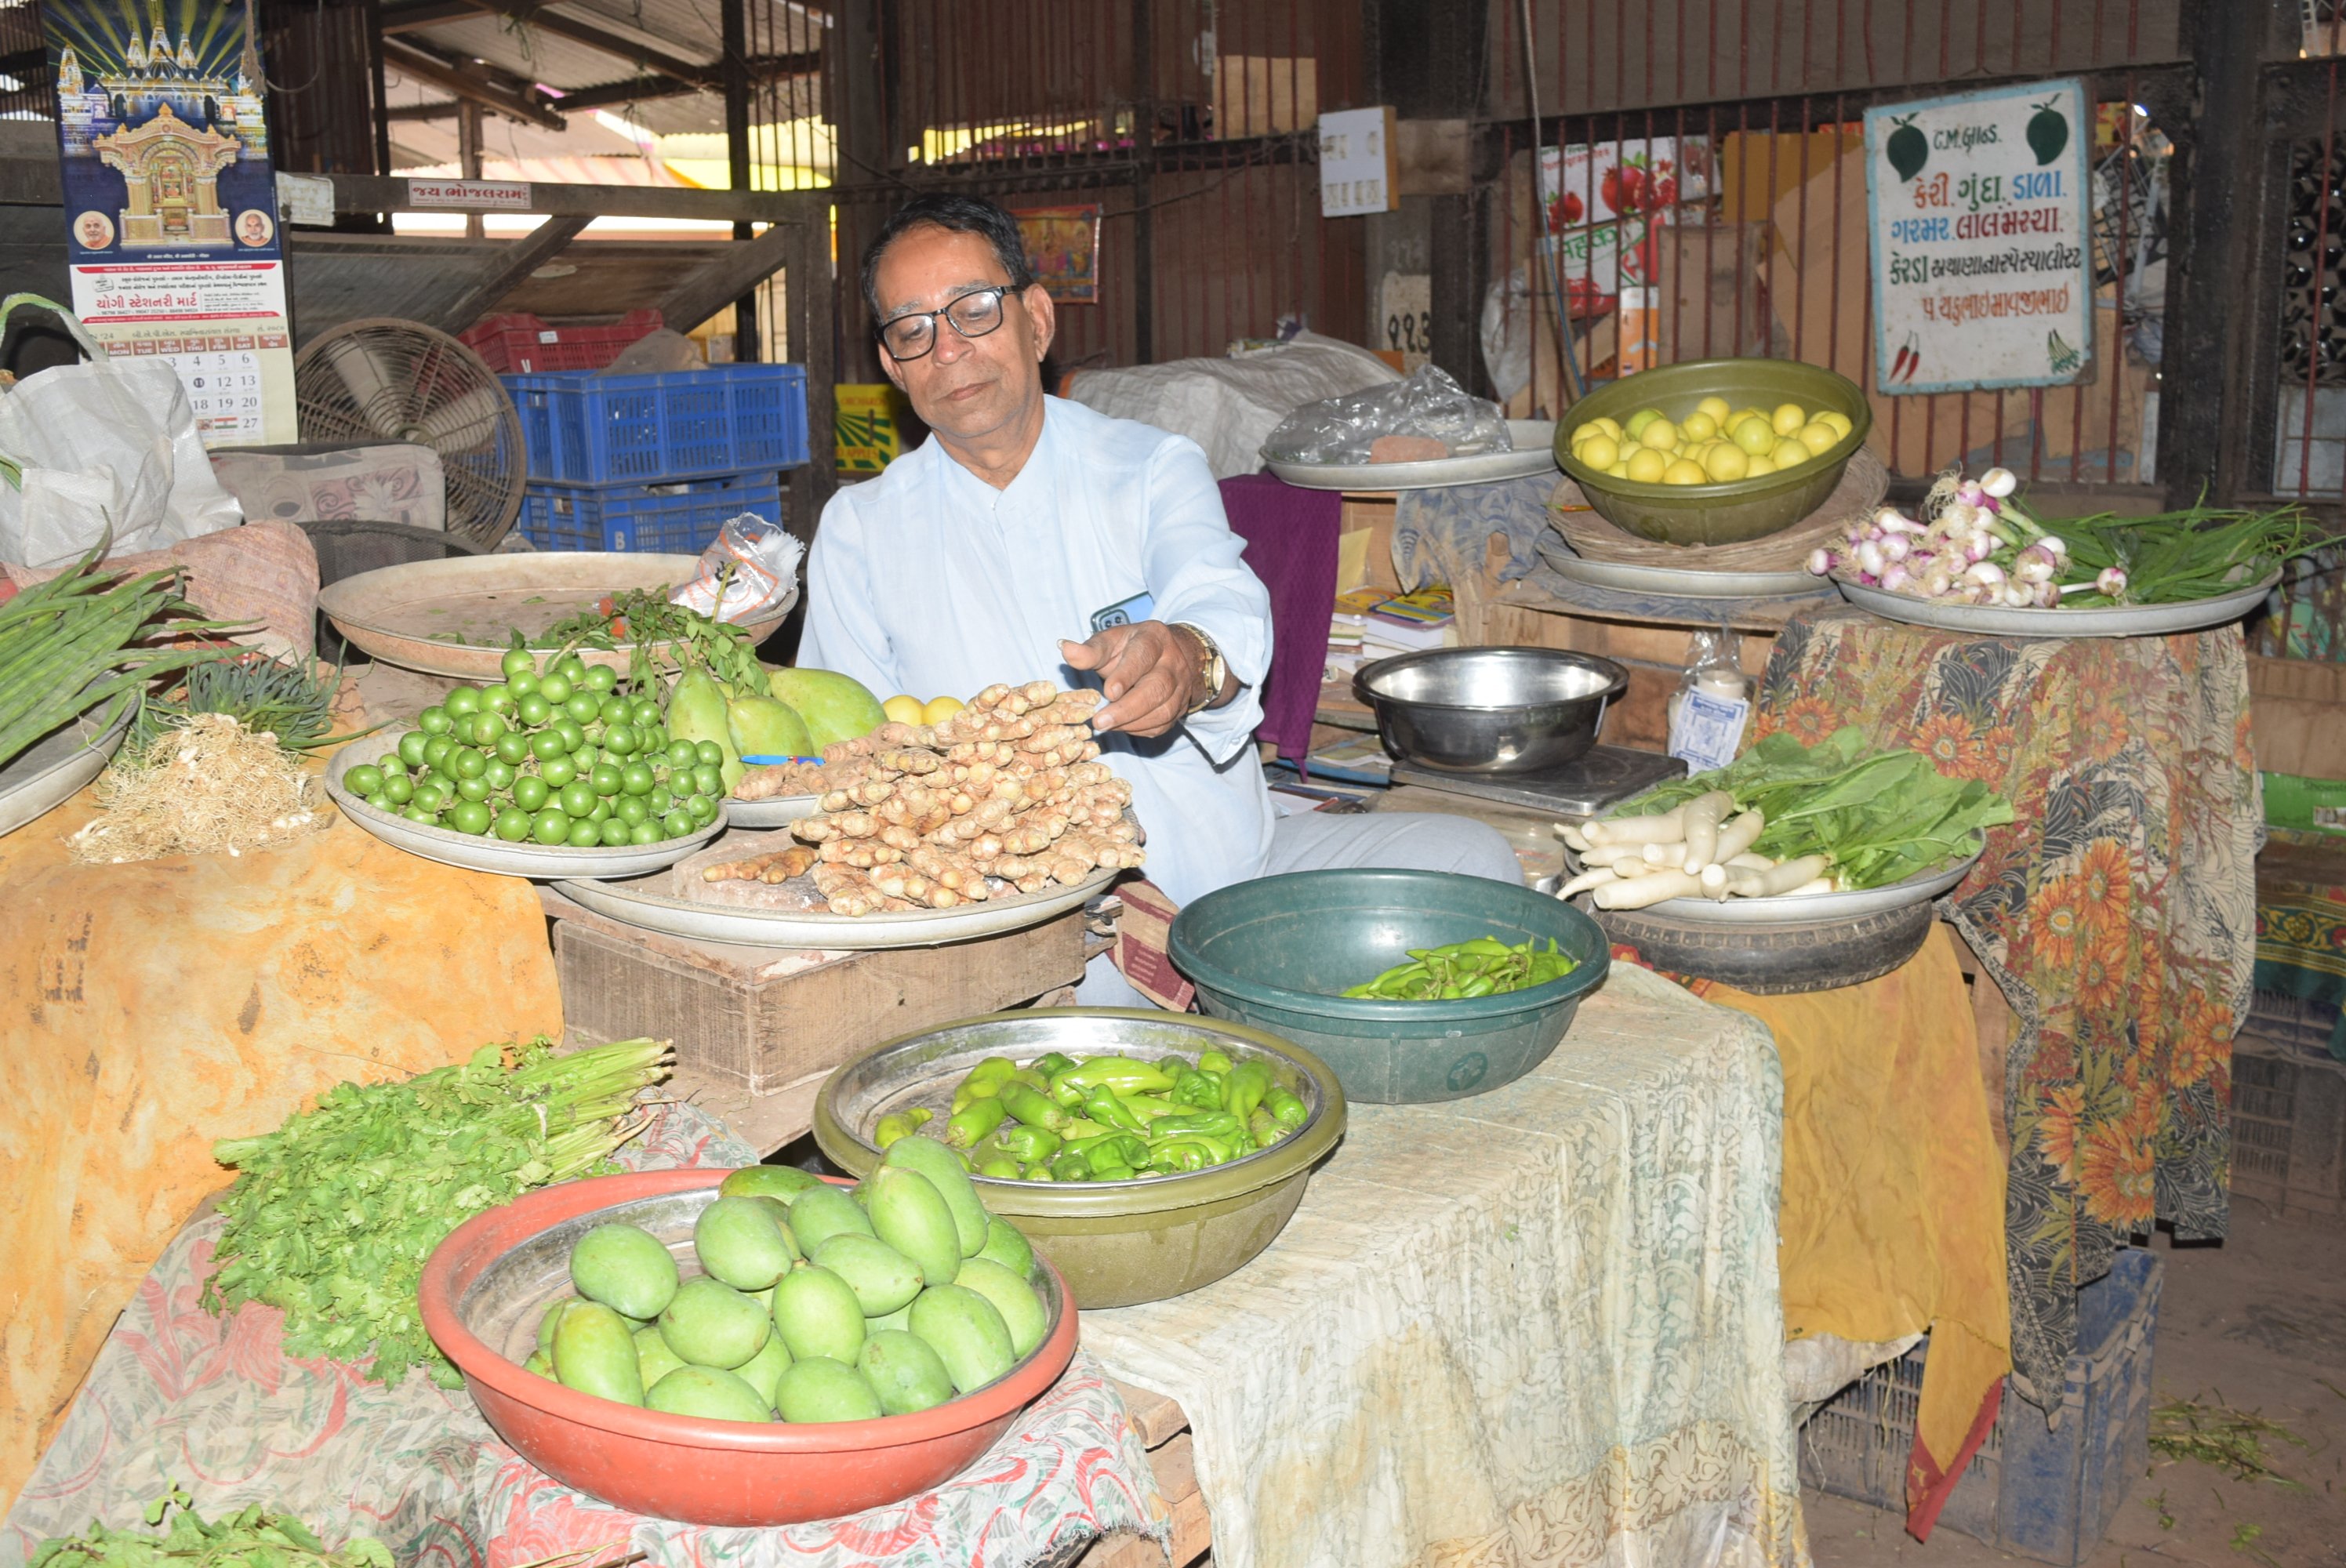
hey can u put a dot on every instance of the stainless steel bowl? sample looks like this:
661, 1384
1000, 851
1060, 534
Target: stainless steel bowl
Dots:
1490, 710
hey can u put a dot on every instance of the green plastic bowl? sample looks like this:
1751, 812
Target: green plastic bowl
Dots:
1274, 952
1118, 1243
1716, 514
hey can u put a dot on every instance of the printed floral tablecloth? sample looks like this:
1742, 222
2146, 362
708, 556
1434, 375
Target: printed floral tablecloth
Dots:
213, 1403
2118, 913
1540, 1326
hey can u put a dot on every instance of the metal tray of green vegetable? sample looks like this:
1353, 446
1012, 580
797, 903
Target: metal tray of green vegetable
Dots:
456, 617
1117, 1242
487, 854
53, 770
2098, 621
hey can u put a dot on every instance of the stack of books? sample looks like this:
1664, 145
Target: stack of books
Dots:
1371, 624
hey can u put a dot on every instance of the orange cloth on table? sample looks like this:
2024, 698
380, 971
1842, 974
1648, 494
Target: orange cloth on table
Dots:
154, 1006
1893, 1212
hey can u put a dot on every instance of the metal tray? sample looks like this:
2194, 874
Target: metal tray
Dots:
403, 615
2109, 621
54, 768
641, 904
1535, 453
773, 812
543, 862
1682, 581
1810, 909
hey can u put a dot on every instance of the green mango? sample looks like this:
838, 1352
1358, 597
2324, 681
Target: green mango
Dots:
654, 1359
784, 1183
1021, 1310
696, 712
912, 1215
765, 1369
951, 1179
709, 1393
710, 1324
817, 1314
742, 1241
594, 1354
626, 1268
820, 1216
821, 1389
906, 1374
763, 726
901, 1318
1008, 1246
967, 1333
835, 706
884, 1280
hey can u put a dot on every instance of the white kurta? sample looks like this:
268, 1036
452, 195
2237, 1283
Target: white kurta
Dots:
929, 580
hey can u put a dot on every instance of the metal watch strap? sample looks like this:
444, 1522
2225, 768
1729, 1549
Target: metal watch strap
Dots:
1216, 670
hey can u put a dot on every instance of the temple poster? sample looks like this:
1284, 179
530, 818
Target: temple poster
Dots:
170, 202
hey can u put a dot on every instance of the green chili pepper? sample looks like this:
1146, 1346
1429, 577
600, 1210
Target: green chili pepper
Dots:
989, 1147
1149, 1107
1290, 1110
1082, 1127
1207, 1150
1266, 1127
891, 1127
1178, 1155
1102, 1105
1050, 1061
1174, 1064
1249, 1081
1028, 1145
973, 1122
1215, 1061
1065, 1093
1001, 1168
1032, 1079
1070, 1166
1112, 1172
994, 1070
1214, 1123
1037, 1110
1035, 1172
1118, 1073
1199, 1089
1124, 1148
920, 1115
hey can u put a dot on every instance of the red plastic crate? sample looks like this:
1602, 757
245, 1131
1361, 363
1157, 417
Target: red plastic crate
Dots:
522, 344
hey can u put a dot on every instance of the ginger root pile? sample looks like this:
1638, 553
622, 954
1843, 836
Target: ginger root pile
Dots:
917, 815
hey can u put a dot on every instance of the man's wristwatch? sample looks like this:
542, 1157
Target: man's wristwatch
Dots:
1212, 669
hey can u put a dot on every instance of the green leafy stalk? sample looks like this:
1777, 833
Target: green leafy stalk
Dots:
248, 1538
2173, 557
1879, 816
336, 1212
293, 703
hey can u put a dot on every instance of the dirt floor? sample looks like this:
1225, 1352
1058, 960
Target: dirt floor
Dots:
2258, 1324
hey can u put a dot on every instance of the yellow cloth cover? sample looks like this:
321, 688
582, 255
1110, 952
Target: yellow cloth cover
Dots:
155, 1006
1893, 1211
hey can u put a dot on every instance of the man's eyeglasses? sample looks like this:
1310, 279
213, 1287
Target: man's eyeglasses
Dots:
912, 335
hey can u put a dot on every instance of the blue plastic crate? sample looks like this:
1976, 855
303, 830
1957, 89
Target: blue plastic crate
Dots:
593, 429
2045, 1495
678, 518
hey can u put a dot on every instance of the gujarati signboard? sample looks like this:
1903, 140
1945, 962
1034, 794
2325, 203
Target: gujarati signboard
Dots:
1982, 244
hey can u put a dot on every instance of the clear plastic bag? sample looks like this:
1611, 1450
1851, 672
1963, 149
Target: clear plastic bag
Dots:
1712, 706
765, 570
1427, 404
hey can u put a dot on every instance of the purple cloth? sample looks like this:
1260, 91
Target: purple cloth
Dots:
1291, 544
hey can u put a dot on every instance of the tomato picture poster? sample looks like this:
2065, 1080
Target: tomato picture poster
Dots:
1600, 203
1981, 215
1062, 250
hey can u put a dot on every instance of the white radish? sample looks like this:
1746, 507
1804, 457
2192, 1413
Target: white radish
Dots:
1671, 855
1669, 828
1821, 885
1747, 861
1637, 892
1611, 854
1779, 880
1581, 883
1713, 879
1701, 822
1571, 836
1737, 834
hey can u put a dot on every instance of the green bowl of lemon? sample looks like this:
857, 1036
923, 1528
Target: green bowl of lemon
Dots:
1713, 451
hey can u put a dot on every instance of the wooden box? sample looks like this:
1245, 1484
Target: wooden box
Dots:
756, 1021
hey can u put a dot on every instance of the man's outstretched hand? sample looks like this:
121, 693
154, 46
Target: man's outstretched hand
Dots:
1149, 672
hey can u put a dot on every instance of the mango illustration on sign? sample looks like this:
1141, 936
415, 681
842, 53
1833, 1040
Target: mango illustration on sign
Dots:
1908, 148
2048, 132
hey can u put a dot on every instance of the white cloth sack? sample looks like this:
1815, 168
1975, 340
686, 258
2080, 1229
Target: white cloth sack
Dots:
110, 442
1229, 406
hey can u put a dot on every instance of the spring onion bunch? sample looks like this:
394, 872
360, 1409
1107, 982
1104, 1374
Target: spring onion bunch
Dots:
1976, 544
70, 643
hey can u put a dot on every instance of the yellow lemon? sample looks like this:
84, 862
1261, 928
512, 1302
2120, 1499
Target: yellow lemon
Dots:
1699, 426
1599, 451
1788, 453
1817, 436
1685, 473
1639, 420
1754, 434
939, 708
1583, 431
1716, 407
1646, 465
1609, 425
904, 709
1658, 433
1725, 462
1619, 470
1839, 420
1757, 464
1788, 418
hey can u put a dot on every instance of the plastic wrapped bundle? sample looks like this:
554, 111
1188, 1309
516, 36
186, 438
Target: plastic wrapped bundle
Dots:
1427, 407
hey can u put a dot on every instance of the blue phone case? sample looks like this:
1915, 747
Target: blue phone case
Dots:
1124, 612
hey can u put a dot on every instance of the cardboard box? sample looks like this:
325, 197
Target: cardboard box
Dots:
2297, 714
868, 426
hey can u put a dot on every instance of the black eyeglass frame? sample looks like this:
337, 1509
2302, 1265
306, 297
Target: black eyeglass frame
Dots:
1001, 292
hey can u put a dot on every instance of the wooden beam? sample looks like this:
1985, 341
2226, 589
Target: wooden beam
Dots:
437, 110
466, 83
546, 19
521, 257
717, 284
642, 89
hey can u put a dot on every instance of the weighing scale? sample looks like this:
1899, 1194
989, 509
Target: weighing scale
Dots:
1582, 788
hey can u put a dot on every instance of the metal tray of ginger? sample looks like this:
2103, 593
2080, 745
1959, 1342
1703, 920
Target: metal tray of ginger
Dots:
679, 901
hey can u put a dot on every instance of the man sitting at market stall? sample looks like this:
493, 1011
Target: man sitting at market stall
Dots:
1027, 522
